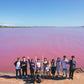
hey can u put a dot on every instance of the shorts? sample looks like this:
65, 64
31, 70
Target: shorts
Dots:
39, 68
49, 69
44, 68
57, 69
53, 69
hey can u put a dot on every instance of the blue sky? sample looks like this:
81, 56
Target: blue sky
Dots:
42, 12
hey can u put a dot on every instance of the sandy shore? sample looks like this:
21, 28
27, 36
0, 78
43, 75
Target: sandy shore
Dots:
9, 78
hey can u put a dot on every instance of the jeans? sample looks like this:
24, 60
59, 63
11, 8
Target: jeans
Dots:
53, 69
24, 70
65, 72
32, 72
18, 70
71, 73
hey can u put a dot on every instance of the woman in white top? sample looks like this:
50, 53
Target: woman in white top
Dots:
38, 63
48, 68
44, 60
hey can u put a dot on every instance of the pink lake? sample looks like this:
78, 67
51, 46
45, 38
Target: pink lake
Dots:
50, 42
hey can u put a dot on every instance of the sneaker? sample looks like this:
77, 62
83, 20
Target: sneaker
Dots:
26, 76
56, 75
22, 77
16, 77
66, 77
53, 76
72, 78
63, 76
46, 77
69, 78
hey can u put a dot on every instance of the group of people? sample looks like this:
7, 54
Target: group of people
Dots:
49, 68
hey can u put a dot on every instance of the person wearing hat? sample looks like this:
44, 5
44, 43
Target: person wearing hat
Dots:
72, 67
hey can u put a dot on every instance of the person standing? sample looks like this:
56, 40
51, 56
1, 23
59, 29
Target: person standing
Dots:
58, 64
72, 67
53, 68
44, 60
64, 66
38, 63
32, 66
24, 67
48, 69
18, 68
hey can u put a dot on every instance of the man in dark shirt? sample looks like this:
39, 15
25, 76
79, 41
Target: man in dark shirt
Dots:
72, 67
32, 66
24, 67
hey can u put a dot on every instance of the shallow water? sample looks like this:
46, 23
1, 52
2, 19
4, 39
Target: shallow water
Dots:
49, 42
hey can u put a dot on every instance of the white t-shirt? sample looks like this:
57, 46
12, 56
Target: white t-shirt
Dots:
47, 68
38, 64
18, 65
64, 65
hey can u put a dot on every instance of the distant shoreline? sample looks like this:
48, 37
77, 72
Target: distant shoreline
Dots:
36, 26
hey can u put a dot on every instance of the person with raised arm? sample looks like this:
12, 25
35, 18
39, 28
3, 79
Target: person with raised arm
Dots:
38, 63
32, 66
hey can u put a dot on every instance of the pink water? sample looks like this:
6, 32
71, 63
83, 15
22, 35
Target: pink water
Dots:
49, 42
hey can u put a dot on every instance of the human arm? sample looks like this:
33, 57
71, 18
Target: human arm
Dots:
29, 60
34, 65
42, 59
59, 63
26, 64
15, 63
36, 59
67, 62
